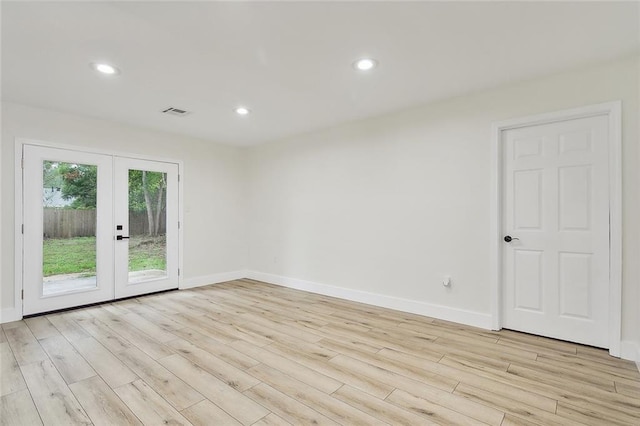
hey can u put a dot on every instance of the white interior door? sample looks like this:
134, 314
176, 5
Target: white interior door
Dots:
96, 227
556, 214
146, 210
68, 252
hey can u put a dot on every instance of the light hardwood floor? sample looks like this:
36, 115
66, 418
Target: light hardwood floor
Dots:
249, 353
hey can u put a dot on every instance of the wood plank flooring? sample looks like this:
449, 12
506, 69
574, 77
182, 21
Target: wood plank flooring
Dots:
250, 353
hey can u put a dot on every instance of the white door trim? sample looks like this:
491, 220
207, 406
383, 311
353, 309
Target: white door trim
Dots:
17, 312
613, 111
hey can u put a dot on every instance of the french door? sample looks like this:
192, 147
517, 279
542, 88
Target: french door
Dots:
96, 227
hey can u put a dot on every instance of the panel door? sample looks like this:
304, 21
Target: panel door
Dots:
68, 249
556, 214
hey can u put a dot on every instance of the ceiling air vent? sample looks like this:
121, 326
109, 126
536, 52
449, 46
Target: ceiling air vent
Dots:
176, 111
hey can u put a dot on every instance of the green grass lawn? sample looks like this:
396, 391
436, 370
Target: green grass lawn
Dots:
147, 253
69, 256
78, 255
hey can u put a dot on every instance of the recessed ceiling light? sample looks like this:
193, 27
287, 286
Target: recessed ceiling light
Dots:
242, 110
105, 68
365, 64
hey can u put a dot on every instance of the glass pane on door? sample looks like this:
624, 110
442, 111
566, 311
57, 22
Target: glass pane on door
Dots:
69, 193
147, 226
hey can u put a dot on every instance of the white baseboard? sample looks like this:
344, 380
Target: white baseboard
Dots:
10, 314
630, 350
212, 279
476, 319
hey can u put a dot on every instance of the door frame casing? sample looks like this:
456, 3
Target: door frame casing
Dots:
19, 207
613, 111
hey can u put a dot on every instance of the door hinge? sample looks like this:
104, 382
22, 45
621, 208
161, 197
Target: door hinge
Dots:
22, 294
178, 224
22, 228
178, 178
178, 271
22, 163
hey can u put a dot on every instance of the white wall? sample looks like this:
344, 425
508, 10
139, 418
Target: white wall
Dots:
389, 205
213, 178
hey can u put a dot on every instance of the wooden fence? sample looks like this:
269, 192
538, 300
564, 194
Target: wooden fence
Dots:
70, 223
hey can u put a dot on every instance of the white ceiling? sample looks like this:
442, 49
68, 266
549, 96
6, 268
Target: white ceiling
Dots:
290, 63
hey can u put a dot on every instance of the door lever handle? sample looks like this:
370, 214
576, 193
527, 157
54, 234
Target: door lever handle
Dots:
509, 238
120, 237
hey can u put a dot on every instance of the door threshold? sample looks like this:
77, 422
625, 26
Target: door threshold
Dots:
73, 308
555, 339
